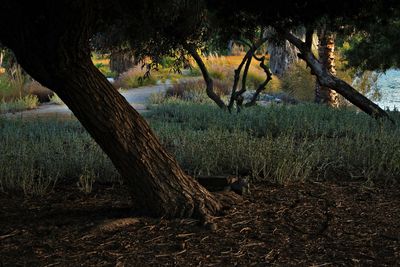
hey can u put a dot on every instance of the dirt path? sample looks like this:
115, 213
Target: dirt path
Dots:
137, 97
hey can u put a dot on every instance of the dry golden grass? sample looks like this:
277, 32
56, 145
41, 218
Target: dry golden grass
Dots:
133, 78
223, 68
231, 62
104, 61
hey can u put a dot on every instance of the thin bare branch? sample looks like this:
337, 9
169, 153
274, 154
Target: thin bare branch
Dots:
248, 55
206, 76
262, 86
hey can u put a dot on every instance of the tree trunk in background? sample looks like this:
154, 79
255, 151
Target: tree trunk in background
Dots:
326, 78
326, 54
55, 51
121, 61
1, 58
281, 57
229, 47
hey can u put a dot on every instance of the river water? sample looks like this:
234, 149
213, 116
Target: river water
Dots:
389, 87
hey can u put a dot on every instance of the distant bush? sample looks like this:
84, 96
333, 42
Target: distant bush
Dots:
12, 87
193, 90
167, 62
298, 82
19, 104
223, 68
196, 86
102, 62
42, 93
133, 78
6, 89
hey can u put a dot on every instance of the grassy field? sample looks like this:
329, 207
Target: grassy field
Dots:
277, 144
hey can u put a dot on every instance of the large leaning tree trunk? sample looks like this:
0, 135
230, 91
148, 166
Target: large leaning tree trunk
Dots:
326, 54
327, 79
52, 45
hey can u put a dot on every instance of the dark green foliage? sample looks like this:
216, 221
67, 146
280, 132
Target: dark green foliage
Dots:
377, 48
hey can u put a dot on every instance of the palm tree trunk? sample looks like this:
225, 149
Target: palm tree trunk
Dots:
326, 53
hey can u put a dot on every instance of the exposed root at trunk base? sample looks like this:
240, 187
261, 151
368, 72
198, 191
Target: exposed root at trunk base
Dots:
225, 201
184, 199
201, 205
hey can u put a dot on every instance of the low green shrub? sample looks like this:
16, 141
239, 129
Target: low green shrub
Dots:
280, 143
6, 89
12, 88
20, 104
276, 143
36, 154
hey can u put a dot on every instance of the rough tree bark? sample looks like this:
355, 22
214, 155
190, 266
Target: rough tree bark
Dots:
325, 78
54, 50
326, 55
281, 57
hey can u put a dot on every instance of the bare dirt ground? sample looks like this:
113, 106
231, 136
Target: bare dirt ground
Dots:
301, 224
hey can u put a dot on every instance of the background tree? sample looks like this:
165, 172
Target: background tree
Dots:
111, 42
326, 55
308, 14
282, 53
375, 46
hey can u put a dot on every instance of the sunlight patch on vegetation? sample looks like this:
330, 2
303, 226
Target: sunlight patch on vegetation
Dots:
56, 99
